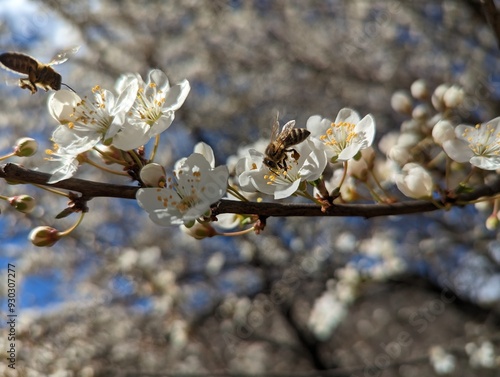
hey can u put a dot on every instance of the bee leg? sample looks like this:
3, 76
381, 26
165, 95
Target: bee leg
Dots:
26, 83
282, 165
32, 77
295, 154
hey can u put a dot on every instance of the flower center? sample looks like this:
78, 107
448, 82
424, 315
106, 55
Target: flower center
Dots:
186, 192
93, 115
150, 104
339, 135
281, 176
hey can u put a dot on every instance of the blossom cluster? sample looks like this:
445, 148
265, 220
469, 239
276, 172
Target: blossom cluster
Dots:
340, 140
428, 144
126, 119
322, 161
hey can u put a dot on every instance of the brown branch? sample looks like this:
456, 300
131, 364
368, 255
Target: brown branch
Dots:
89, 190
313, 210
493, 17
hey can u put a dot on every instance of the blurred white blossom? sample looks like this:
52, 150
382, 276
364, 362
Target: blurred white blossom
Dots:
482, 356
442, 361
326, 315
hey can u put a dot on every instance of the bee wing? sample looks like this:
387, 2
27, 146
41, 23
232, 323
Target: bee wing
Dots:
288, 127
275, 131
64, 55
10, 81
281, 138
285, 131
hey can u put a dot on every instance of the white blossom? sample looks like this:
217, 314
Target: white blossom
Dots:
188, 195
479, 145
153, 110
85, 123
345, 137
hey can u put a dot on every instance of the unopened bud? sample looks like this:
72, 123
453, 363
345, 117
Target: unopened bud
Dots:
419, 89
453, 97
492, 222
44, 236
82, 158
22, 203
199, 231
110, 154
401, 102
25, 147
443, 131
421, 112
399, 154
153, 175
414, 181
437, 98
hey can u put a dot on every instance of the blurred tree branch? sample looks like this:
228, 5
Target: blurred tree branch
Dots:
493, 17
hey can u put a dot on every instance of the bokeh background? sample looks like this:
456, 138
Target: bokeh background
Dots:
399, 296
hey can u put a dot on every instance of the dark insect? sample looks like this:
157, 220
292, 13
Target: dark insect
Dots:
39, 74
276, 151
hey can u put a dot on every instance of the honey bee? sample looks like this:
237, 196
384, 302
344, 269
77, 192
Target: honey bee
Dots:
39, 74
276, 152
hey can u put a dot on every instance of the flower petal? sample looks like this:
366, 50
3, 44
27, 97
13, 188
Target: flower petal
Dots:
347, 115
207, 152
486, 163
286, 191
177, 95
458, 150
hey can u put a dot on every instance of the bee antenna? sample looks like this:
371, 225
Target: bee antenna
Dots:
69, 87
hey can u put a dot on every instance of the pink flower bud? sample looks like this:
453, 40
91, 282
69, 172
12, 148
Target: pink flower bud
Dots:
44, 236
25, 147
22, 203
199, 231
